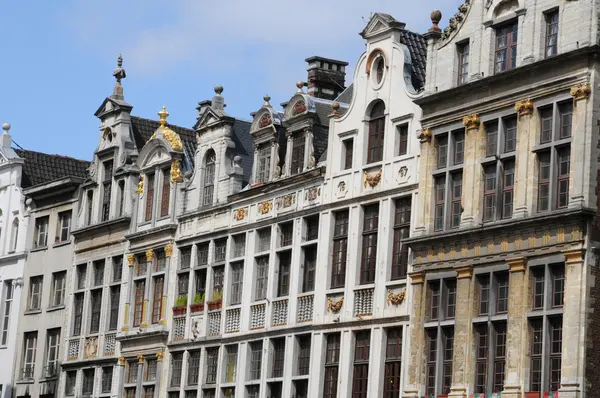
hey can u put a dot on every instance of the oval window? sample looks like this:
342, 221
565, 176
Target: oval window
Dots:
379, 69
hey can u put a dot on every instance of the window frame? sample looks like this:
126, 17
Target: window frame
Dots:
509, 30
339, 255
376, 133
463, 53
370, 231
551, 19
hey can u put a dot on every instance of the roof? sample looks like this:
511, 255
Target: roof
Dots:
41, 168
418, 52
244, 146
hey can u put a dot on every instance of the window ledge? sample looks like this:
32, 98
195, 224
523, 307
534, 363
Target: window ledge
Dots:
32, 312
60, 244
364, 287
336, 290
396, 282
39, 249
55, 308
31, 381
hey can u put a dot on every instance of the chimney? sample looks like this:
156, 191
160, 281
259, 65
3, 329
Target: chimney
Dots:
326, 77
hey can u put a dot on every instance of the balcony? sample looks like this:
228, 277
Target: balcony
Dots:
51, 370
26, 373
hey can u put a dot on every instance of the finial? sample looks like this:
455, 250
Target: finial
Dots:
299, 84
6, 127
267, 99
335, 105
436, 17
218, 89
163, 114
119, 72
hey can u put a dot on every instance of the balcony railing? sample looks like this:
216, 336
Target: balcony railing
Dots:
51, 370
27, 373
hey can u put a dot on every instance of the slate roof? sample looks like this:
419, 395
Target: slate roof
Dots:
41, 168
418, 52
244, 146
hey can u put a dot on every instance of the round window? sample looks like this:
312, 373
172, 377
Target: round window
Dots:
379, 69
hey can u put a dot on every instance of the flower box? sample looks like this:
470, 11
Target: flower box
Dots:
532, 394
196, 307
214, 305
179, 310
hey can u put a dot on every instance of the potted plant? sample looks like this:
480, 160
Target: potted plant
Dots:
180, 306
217, 300
198, 304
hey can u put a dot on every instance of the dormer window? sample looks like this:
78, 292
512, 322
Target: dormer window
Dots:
264, 163
149, 197
506, 47
209, 178
298, 145
165, 193
376, 133
106, 189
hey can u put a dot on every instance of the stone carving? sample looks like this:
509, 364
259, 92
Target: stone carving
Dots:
265, 120
149, 255
176, 172
395, 298
287, 200
299, 107
372, 179
195, 329
524, 107
140, 187
455, 21
471, 122
312, 162
581, 91
265, 207
122, 361
91, 347
312, 193
240, 214
425, 136
504, 245
131, 260
93, 169
334, 306
159, 356
140, 358
560, 235
576, 233
169, 250
402, 176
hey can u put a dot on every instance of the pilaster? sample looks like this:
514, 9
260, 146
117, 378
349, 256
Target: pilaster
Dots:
416, 370
525, 164
121, 375
579, 178
471, 171
288, 155
169, 261
140, 376
126, 315
149, 263
159, 371
427, 163
462, 332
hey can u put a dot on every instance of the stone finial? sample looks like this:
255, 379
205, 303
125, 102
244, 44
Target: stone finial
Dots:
218, 89
119, 72
218, 102
163, 115
5, 127
267, 98
436, 17
335, 106
300, 85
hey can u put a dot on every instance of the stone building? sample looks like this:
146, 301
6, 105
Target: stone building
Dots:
504, 246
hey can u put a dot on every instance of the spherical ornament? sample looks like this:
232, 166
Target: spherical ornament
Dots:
218, 89
6, 127
436, 16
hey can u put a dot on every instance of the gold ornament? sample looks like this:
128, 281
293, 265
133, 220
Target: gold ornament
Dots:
239, 214
524, 107
471, 122
425, 135
334, 306
169, 250
149, 255
169, 135
372, 179
396, 298
159, 356
140, 358
140, 187
265, 207
581, 91
131, 260
176, 175
122, 361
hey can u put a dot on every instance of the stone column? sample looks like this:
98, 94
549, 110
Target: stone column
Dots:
140, 375
462, 332
288, 155
121, 376
255, 164
416, 370
525, 188
149, 263
309, 150
573, 346
517, 328
166, 281
471, 171
581, 142
159, 370
126, 315
428, 160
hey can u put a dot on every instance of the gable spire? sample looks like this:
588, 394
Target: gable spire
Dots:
119, 74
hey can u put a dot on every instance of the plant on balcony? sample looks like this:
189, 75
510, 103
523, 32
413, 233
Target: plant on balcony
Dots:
217, 300
198, 304
180, 306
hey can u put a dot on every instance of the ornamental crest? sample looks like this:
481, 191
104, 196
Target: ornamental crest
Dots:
140, 187
131, 260
91, 347
176, 175
372, 179
524, 107
471, 122
581, 91
312, 193
334, 306
425, 136
395, 298
240, 214
265, 120
168, 250
299, 107
265, 207
287, 200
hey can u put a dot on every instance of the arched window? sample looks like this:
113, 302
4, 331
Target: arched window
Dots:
14, 235
209, 177
376, 133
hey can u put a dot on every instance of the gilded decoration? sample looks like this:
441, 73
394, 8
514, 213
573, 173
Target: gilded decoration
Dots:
516, 264
265, 207
299, 107
334, 306
546, 238
131, 260
560, 235
490, 247
440, 254
504, 245
140, 187
287, 200
425, 136
524, 107
416, 278
464, 251
395, 298
169, 135
581, 91
464, 272
91, 347
159, 356
576, 234
149, 255
532, 240
573, 256
169, 250
312, 193
140, 358
372, 179
122, 361
518, 242
176, 175
471, 122
477, 249
240, 214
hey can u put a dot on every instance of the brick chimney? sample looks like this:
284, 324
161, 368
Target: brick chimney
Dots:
326, 77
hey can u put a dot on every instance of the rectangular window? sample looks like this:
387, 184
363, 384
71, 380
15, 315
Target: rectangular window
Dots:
200, 281
489, 195
332, 361
88, 381
432, 354
551, 33
510, 134
117, 265
253, 391
209, 179
41, 232
348, 153
121, 198
220, 250
71, 376
456, 209
376, 139
52, 352
544, 181
340, 249
481, 355
448, 345
237, 277
369, 243
149, 196
132, 372
29, 353
450, 299
264, 163
95, 309
304, 355
555, 352
255, 360
401, 231
557, 273
106, 189
203, 254
286, 234
150, 374
58, 288
193, 368
218, 275
499, 357
393, 363
565, 110
312, 227
463, 63
506, 47
77, 313
440, 202
402, 139
176, 364
546, 119
360, 374
64, 226
562, 183
262, 275
298, 144
89, 207
491, 145
159, 285
283, 279
231, 363
264, 240
459, 147
113, 316
501, 293
7, 301
183, 283
35, 293
484, 294
310, 267
185, 258
508, 189
107, 379
442, 147
536, 356
98, 272
434, 302
239, 245
148, 392
140, 287
538, 289
278, 357
212, 359
165, 192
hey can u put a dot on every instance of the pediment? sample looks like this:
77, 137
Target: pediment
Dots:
209, 118
110, 105
380, 23
158, 155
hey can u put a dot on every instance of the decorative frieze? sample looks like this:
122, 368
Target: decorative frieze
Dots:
334, 306
214, 323
110, 343
257, 316
179, 328
240, 214
73, 350
265, 207
363, 302
396, 298
232, 320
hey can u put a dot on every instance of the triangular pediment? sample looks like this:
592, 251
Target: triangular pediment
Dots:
210, 117
112, 105
380, 23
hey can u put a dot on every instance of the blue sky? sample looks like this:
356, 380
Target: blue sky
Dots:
58, 57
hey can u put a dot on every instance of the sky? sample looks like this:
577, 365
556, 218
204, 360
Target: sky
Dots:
58, 57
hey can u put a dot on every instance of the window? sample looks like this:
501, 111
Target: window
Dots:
369, 243
287, 234
71, 376
402, 139
35, 293
64, 226
506, 47
298, 144
98, 273
148, 392
278, 357
117, 265
502, 293
58, 288
551, 33
218, 274
402, 213
459, 147
120, 198
490, 355
393, 363
301, 388
310, 266
332, 361
274, 390
106, 189
443, 355
52, 352
263, 170
253, 391
463, 63
283, 278
41, 232
87, 387
90, 207
237, 276
376, 133
239, 245
161, 260
312, 227
360, 374
262, 274
193, 368
545, 362
29, 352
149, 197
95, 309
200, 281
220, 250
130, 392
203, 254
348, 153
255, 359
14, 235
209, 178
183, 284
140, 287
448, 178
231, 363
212, 358
7, 300
150, 374
176, 362
81, 276
77, 313
303, 355
132, 372
113, 316
565, 111
264, 240
340, 249
379, 69
157, 310
165, 193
